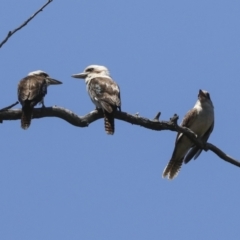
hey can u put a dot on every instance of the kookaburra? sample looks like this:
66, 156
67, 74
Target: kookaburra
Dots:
103, 91
200, 120
31, 91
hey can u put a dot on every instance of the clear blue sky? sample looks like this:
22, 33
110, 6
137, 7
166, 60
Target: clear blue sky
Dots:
62, 182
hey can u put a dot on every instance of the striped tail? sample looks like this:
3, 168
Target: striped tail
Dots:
26, 117
109, 123
172, 169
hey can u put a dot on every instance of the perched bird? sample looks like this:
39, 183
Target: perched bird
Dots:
103, 91
31, 91
200, 120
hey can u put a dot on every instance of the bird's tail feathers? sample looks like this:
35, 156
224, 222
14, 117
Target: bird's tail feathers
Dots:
172, 169
109, 123
26, 116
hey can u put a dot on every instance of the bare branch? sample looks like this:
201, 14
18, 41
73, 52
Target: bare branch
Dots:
10, 33
222, 155
84, 121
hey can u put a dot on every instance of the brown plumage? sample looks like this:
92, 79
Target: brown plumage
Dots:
176, 162
173, 168
31, 91
103, 91
26, 116
109, 123
105, 94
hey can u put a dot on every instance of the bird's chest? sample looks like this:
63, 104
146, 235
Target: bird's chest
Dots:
203, 122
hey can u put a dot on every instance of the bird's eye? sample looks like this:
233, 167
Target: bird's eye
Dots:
44, 74
89, 70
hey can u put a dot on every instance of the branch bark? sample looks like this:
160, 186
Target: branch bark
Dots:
84, 121
10, 33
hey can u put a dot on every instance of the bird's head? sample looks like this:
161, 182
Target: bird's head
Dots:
44, 75
93, 70
204, 96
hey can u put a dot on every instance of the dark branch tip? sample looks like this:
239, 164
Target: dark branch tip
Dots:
156, 118
8, 107
174, 119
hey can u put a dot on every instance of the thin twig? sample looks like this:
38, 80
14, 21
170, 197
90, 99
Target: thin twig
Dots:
10, 33
8, 107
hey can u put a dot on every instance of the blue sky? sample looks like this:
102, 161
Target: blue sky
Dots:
62, 182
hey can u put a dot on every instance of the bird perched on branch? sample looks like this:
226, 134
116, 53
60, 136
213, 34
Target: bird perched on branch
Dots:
31, 91
103, 91
200, 120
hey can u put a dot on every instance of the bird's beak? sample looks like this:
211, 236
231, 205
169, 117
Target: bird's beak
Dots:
52, 81
201, 93
80, 75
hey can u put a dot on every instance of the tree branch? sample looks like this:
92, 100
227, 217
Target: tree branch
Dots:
221, 154
10, 33
84, 121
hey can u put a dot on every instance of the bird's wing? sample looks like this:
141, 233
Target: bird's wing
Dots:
32, 89
106, 92
188, 120
38, 89
196, 151
175, 163
119, 99
23, 91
